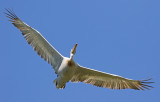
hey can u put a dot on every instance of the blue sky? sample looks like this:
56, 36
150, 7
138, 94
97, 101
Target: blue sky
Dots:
116, 36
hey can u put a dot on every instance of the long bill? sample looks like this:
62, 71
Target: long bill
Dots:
73, 51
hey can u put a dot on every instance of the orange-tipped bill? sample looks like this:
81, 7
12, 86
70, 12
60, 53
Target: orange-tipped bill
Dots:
74, 49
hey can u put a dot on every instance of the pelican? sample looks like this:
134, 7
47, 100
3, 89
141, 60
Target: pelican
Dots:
66, 68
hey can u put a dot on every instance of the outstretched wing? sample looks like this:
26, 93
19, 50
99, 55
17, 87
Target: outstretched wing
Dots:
107, 80
37, 41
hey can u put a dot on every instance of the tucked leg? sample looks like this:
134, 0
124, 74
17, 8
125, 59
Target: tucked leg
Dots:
59, 84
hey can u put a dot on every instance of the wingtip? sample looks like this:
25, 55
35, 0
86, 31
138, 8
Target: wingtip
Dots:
10, 14
144, 84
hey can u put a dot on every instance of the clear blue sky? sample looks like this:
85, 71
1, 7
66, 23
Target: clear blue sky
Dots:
116, 36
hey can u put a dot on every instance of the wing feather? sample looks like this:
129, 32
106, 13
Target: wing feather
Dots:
107, 80
36, 40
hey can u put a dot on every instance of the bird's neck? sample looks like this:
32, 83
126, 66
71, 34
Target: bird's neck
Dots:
71, 56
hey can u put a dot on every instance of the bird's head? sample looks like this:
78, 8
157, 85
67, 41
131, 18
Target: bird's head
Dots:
73, 51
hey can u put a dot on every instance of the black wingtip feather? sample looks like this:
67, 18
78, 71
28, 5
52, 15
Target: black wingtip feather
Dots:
10, 14
145, 82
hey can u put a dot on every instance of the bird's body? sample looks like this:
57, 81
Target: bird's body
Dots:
68, 70
65, 72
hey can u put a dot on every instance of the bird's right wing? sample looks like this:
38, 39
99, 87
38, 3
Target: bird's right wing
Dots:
107, 80
37, 41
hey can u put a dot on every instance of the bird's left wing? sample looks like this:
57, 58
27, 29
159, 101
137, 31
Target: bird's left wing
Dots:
36, 40
107, 80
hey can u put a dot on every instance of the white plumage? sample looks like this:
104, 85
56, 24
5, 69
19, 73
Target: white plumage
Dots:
66, 68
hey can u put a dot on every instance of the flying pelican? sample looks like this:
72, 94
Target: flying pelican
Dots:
66, 68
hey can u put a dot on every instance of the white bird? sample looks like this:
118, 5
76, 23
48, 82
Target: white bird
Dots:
66, 68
